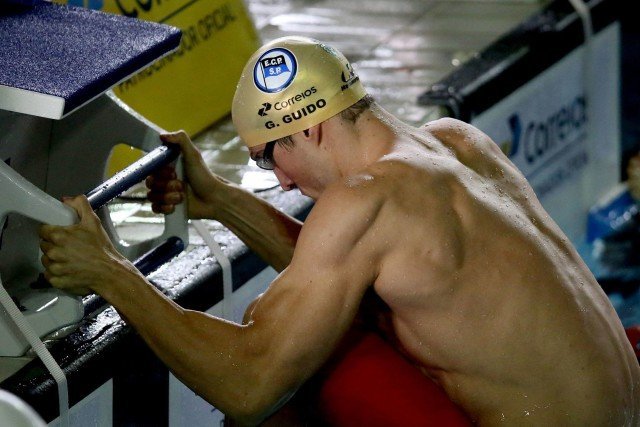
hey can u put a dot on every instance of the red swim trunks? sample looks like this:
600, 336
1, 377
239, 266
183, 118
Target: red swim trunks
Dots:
373, 385
633, 333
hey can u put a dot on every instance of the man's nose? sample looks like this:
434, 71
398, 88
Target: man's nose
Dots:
286, 183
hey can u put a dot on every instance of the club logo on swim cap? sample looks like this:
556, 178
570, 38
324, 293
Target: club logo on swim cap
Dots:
275, 70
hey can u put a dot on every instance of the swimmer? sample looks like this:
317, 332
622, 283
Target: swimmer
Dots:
483, 292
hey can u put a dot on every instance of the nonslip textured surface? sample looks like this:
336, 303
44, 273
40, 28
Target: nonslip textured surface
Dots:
74, 53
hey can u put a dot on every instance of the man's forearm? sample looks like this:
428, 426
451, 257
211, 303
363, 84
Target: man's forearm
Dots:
265, 230
206, 353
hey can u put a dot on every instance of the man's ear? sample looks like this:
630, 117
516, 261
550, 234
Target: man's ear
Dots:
314, 133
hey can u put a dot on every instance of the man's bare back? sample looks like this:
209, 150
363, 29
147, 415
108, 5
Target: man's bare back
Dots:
486, 293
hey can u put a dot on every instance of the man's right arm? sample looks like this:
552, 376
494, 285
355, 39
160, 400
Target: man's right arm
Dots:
265, 230
247, 371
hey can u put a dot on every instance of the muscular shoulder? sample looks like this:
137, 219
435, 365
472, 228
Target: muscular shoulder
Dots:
350, 206
340, 225
472, 147
461, 136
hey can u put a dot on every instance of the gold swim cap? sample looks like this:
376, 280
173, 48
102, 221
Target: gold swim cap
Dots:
290, 85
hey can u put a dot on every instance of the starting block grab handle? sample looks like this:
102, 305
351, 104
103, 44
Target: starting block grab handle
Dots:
160, 156
131, 175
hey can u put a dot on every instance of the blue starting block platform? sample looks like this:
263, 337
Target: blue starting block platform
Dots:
56, 58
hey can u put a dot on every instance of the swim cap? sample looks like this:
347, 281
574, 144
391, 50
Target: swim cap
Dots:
290, 85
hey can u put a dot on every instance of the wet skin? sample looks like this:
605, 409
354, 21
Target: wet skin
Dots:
486, 294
